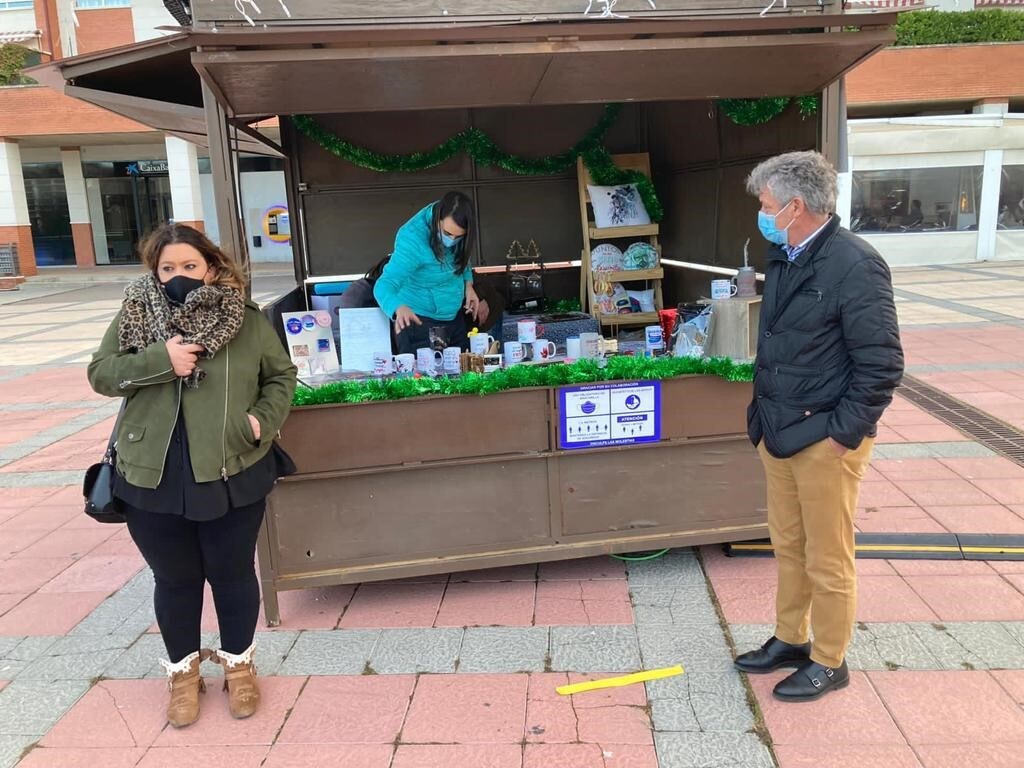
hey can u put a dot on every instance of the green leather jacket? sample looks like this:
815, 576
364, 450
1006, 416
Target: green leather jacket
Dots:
251, 375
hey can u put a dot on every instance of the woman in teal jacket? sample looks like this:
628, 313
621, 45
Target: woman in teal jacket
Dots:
428, 282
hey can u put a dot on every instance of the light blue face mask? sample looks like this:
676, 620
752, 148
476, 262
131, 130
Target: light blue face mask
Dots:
449, 241
766, 223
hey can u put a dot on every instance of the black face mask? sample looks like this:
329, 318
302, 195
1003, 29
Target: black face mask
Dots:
180, 286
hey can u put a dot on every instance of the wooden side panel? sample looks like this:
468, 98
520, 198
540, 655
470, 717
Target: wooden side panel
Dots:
703, 406
338, 438
675, 488
387, 518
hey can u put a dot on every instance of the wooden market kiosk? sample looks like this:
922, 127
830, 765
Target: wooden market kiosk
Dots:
431, 485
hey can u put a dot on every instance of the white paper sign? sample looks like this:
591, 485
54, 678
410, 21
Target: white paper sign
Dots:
364, 333
310, 341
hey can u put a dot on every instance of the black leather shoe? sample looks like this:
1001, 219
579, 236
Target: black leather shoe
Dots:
772, 655
812, 681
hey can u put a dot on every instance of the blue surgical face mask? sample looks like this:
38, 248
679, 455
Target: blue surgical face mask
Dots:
766, 223
449, 241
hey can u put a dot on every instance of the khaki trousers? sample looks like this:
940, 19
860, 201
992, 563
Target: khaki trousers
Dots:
812, 498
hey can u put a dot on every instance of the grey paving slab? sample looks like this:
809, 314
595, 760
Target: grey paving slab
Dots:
121, 640
31, 648
12, 748
72, 666
38, 479
679, 567
7, 644
749, 637
990, 642
271, 650
952, 450
677, 715
31, 707
720, 703
947, 650
672, 605
1016, 630
863, 653
889, 646
141, 660
594, 649
711, 750
504, 649
700, 650
330, 652
409, 651
10, 669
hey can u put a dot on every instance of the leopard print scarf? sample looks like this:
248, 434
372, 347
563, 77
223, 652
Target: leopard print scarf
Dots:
211, 316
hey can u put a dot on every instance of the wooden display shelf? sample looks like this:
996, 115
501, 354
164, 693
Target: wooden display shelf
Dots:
627, 275
632, 318
611, 233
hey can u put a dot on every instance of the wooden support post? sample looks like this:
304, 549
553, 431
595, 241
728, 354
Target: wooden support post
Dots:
225, 181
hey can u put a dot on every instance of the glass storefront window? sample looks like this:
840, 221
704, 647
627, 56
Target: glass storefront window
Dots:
48, 214
916, 200
1011, 198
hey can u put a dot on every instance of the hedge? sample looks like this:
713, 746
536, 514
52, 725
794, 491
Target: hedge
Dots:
948, 27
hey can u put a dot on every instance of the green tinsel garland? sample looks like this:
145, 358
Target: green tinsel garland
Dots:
760, 111
484, 151
561, 306
523, 376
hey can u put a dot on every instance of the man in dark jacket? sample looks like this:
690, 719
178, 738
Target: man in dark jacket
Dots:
828, 360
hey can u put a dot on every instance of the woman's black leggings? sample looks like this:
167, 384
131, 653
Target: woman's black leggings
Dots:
183, 554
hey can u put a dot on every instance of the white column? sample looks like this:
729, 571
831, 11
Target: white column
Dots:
988, 206
13, 203
844, 199
74, 184
183, 167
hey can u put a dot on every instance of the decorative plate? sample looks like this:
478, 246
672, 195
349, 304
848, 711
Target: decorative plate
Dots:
606, 257
640, 256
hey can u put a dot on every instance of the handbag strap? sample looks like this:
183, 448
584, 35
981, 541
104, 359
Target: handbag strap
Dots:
112, 442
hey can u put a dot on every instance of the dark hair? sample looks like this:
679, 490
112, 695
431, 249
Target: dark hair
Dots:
460, 208
228, 272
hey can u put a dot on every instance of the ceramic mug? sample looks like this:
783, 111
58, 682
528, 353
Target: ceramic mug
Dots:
450, 360
382, 364
428, 361
723, 289
480, 343
527, 331
573, 348
405, 365
515, 353
590, 344
543, 349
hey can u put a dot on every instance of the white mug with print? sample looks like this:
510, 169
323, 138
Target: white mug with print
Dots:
451, 360
543, 350
428, 361
515, 353
480, 343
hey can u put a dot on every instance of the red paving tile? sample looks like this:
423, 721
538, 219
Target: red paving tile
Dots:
1003, 490
583, 569
896, 520
550, 717
311, 608
933, 493
1017, 580
1002, 755
394, 605
68, 543
854, 715
67, 454
19, 425
115, 713
341, 755
977, 519
583, 602
485, 604
49, 614
40, 517
888, 435
96, 573
66, 384
950, 707
883, 493
970, 598
994, 467
1007, 566
8, 601
850, 756
1012, 681
746, 601
932, 433
14, 541
29, 574
448, 755
718, 566
508, 573
913, 469
940, 567
24, 498
589, 756
889, 598
111, 757
217, 727
176, 757
467, 709
366, 709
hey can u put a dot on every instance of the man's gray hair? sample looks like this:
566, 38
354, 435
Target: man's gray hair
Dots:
807, 175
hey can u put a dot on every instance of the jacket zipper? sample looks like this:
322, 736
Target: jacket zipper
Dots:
224, 432
167, 447
125, 383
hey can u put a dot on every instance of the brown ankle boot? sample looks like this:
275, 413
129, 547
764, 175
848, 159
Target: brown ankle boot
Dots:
185, 684
240, 682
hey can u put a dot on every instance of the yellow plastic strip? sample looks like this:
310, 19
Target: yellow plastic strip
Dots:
618, 682
996, 550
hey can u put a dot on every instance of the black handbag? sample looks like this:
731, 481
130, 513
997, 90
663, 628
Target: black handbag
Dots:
98, 485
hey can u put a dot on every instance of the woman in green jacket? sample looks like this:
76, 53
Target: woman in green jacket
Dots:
207, 384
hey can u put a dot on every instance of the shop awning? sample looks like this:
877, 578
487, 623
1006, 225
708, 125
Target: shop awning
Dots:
280, 71
19, 36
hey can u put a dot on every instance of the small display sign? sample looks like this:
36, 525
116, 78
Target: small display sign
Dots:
601, 415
